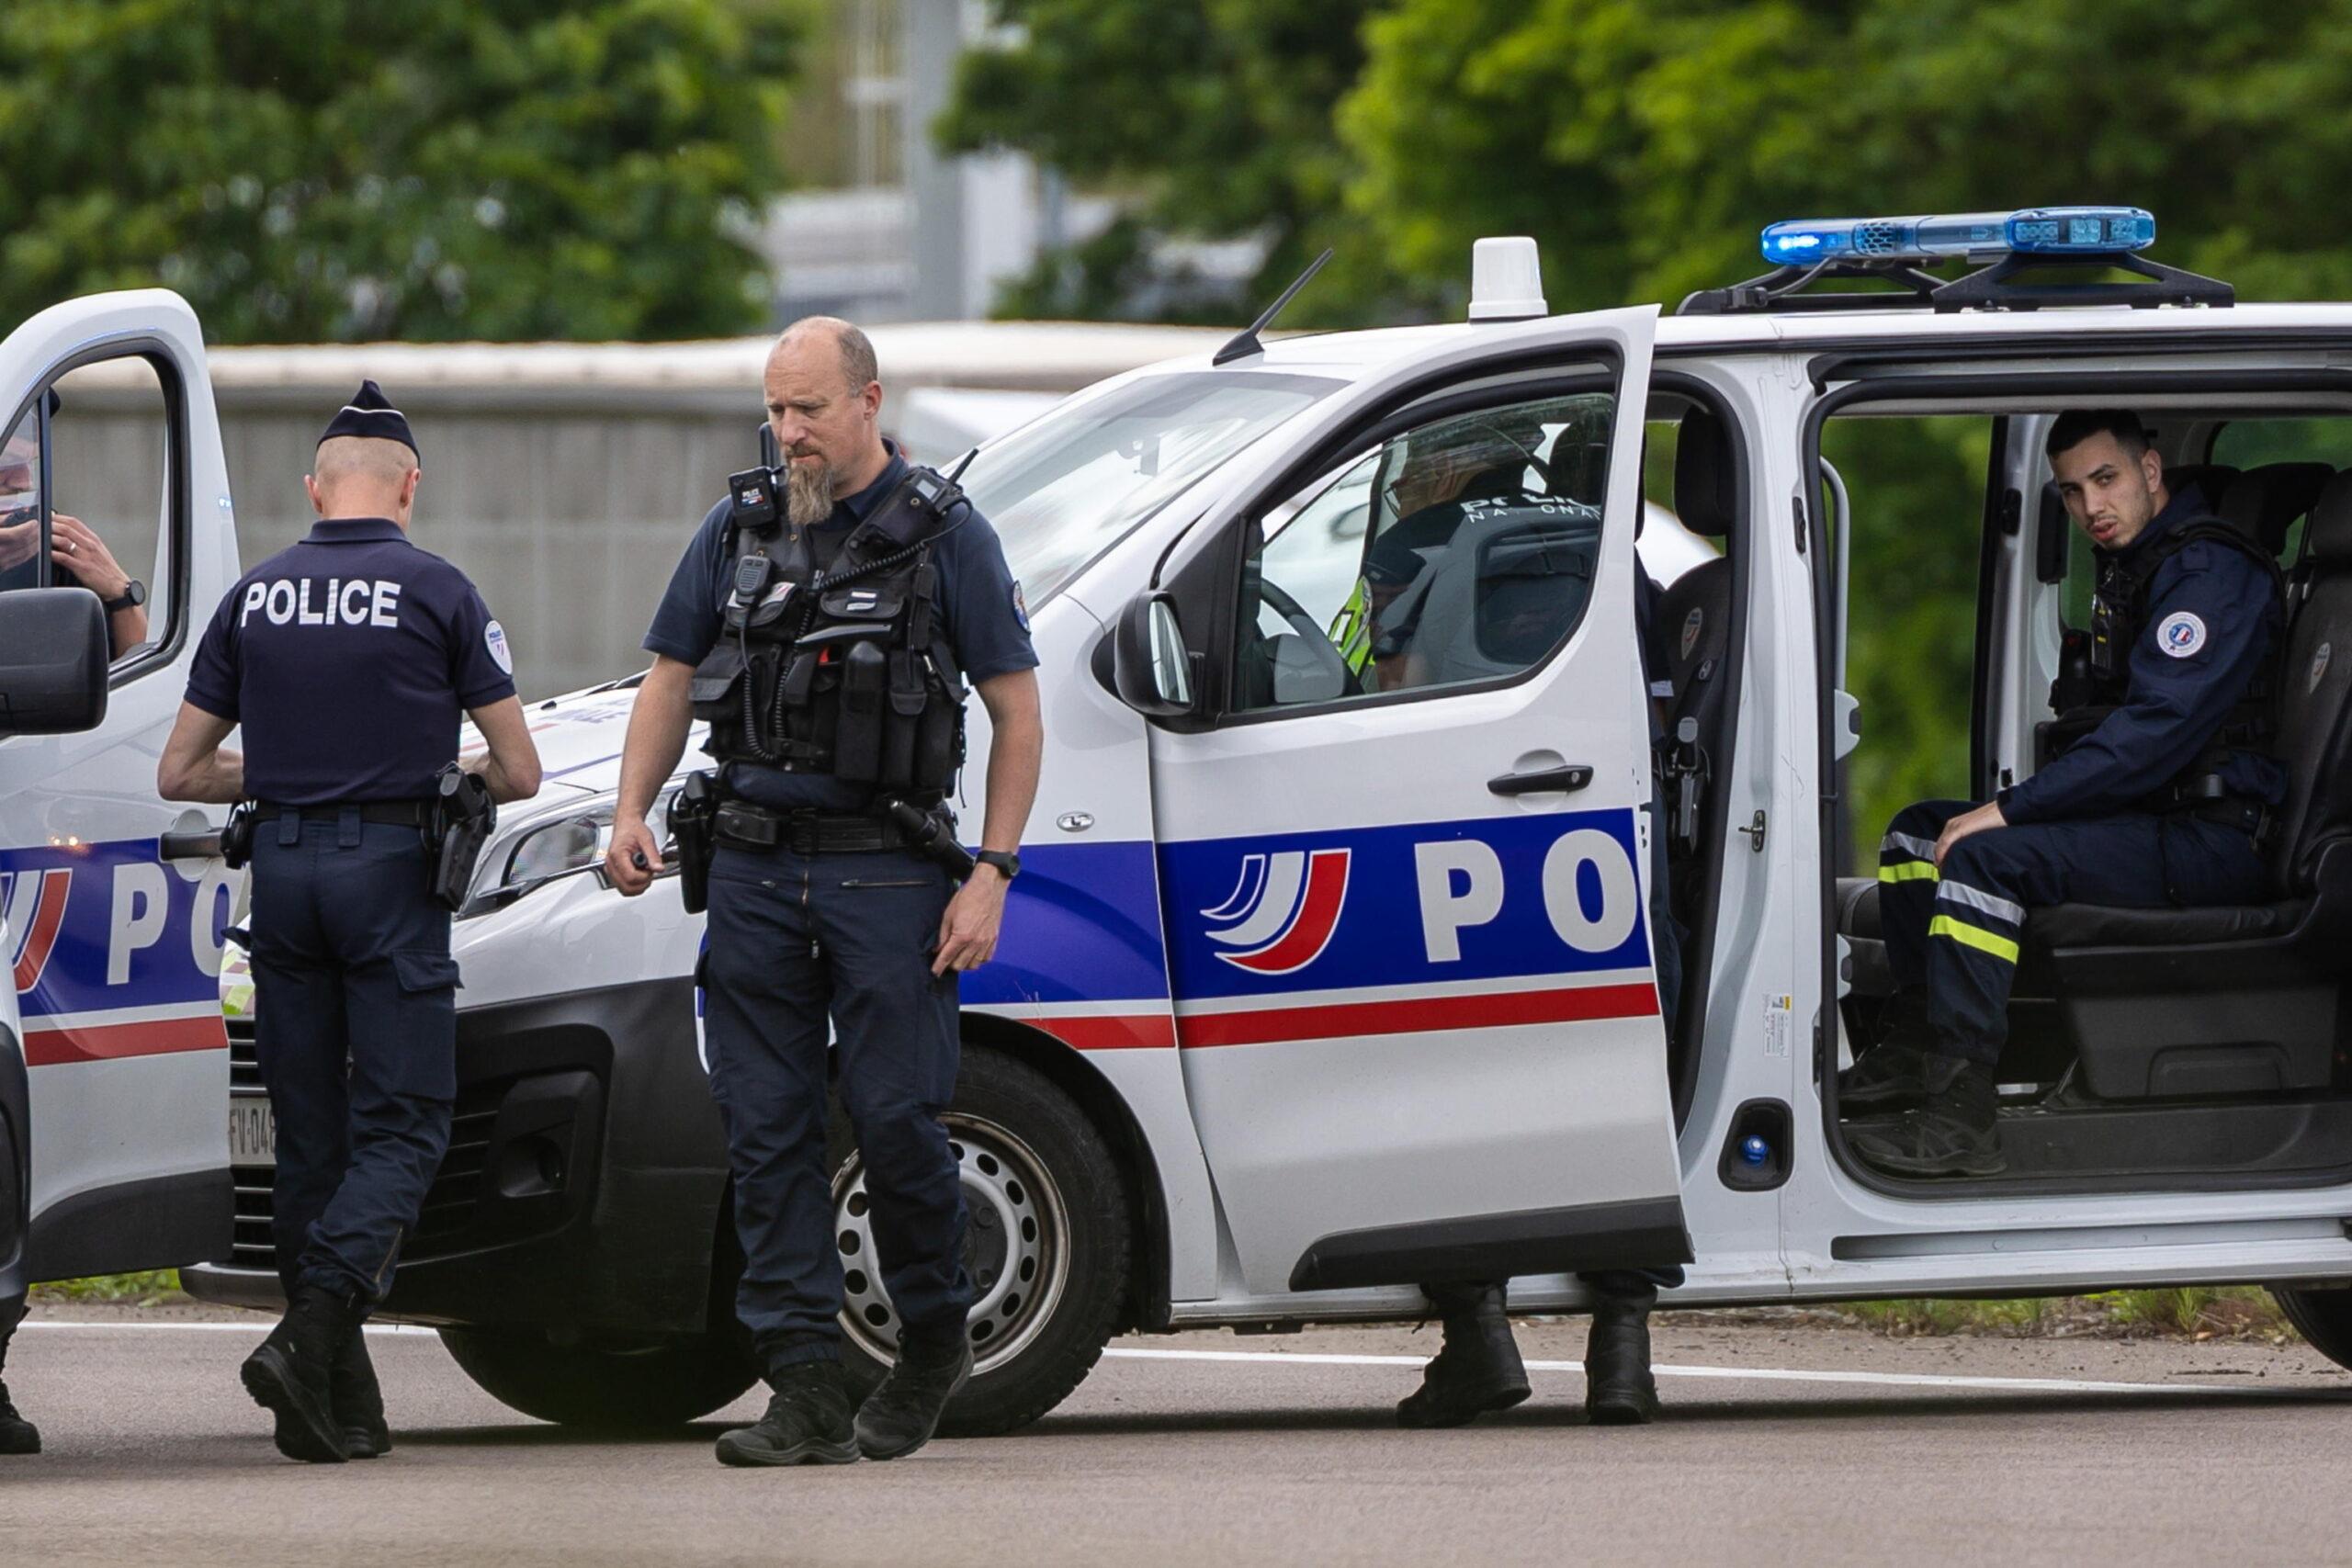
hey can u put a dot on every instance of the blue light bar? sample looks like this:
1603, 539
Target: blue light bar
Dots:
2034, 230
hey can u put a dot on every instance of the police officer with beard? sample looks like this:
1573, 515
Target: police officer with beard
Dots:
348, 658
830, 647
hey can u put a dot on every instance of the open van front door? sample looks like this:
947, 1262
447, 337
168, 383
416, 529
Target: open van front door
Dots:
1402, 838
113, 902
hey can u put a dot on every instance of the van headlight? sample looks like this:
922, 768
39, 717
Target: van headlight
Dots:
566, 844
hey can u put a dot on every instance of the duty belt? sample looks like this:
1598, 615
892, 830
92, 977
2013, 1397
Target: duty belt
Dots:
741, 825
389, 813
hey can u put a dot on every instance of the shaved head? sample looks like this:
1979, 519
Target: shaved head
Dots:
363, 475
859, 368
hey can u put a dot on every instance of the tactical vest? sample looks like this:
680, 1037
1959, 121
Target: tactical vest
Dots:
831, 657
2085, 697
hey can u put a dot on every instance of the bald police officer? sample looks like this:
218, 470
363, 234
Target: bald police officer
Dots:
828, 647
348, 658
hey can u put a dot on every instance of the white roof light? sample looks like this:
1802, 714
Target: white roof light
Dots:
1506, 280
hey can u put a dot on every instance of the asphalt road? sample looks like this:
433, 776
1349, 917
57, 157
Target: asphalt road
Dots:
1782, 1444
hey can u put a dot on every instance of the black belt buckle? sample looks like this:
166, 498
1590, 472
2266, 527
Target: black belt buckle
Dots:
743, 826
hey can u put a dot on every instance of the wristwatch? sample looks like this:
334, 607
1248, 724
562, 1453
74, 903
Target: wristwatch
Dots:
1005, 861
134, 594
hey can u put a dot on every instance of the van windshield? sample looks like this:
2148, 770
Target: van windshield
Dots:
1063, 490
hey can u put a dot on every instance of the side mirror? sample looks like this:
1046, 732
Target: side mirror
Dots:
53, 661
1150, 667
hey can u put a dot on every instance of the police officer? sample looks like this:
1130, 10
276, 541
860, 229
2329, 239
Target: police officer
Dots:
1477, 1368
348, 658
2159, 799
829, 646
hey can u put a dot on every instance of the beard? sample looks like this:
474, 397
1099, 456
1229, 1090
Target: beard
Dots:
807, 493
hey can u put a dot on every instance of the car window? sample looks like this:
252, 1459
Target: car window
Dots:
1070, 484
110, 461
1458, 551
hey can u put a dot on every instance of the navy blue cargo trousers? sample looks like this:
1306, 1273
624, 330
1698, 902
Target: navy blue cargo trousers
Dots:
798, 940
355, 1024
1954, 932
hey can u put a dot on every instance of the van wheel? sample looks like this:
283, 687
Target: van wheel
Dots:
2321, 1317
1046, 1245
623, 1390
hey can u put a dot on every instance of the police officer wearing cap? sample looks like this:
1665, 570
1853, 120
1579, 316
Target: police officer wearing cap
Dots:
828, 647
2158, 794
349, 660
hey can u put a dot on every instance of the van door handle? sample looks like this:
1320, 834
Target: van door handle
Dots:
1541, 779
202, 845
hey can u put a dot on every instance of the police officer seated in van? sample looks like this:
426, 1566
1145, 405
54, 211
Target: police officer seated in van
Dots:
2159, 798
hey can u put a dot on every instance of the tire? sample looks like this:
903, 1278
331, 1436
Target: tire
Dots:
2321, 1317
613, 1391
1030, 1156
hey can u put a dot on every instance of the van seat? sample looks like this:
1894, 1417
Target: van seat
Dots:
2267, 501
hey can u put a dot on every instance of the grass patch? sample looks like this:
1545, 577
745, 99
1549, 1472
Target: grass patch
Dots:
152, 1288
2196, 1312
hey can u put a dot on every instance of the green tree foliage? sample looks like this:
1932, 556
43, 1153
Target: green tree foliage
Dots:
432, 169
1213, 116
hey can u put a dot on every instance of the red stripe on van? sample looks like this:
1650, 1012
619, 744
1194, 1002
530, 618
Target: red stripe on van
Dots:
112, 1041
1416, 1015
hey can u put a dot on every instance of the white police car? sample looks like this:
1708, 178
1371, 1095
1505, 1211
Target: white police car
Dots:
1331, 965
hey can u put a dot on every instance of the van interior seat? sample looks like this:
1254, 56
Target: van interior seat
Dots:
1694, 623
2266, 501
1694, 613
2240, 999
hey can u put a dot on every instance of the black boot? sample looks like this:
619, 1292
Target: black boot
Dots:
1954, 1133
358, 1399
1476, 1370
18, 1436
1618, 1388
808, 1421
290, 1375
899, 1416
1887, 1076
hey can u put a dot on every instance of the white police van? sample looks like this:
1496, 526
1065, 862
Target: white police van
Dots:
1330, 967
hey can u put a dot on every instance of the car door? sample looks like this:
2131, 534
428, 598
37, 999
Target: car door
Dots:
1402, 841
113, 901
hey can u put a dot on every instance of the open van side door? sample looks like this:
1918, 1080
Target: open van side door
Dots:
113, 902
1403, 853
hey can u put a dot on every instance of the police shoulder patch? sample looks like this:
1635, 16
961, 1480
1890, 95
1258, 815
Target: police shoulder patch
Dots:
1020, 607
2181, 634
494, 637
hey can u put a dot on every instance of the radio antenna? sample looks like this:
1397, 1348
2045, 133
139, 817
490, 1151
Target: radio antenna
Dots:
1246, 343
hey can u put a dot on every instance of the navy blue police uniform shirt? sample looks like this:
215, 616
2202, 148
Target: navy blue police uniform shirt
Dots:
978, 605
350, 659
2213, 617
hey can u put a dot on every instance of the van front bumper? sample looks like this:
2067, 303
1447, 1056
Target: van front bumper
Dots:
549, 1212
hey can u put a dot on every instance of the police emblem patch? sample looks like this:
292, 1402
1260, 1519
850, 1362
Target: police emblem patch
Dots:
2319, 666
1020, 607
1690, 625
494, 637
2181, 634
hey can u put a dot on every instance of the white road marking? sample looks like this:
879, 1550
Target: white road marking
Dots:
1323, 1358
1757, 1374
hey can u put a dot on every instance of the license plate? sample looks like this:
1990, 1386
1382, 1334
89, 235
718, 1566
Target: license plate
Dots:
253, 1132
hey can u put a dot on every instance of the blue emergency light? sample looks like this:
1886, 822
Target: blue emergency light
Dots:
2034, 230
